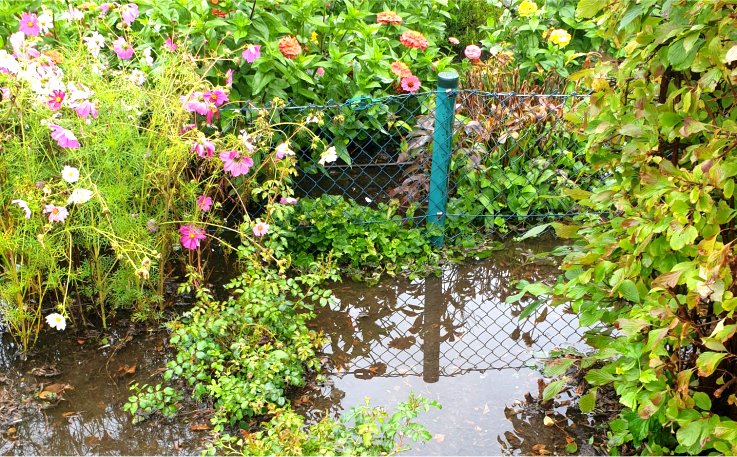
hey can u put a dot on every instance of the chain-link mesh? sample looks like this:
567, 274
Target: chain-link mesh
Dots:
513, 156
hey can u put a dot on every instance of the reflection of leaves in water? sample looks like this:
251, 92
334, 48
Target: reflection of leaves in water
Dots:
404, 342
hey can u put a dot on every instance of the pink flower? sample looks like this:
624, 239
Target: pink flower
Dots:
191, 236
218, 97
260, 229
454, 40
29, 24
64, 138
195, 104
170, 45
413, 39
56, 213
104, 8
186, 128
212, 112
129, 13
410, 83
229, 78
24, 206
204, 202
320, 72
288, 201
203, 148
85, 108
282, 151
235, 164
252, 53
122, 48
472, 52
55, 100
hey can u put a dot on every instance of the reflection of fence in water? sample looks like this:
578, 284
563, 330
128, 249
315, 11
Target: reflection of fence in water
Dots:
444, 326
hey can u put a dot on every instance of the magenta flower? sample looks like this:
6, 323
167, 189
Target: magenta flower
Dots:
288, 201
282, 151
320, 72
194, 103
204, 202
410, 83
129, 13
122, 48
186, 128
217, 97
29, 24
212, 112
260, 229
191, 236
85, 108
55, 99
472, 52
24, 206
170, 45
56, 213
203, 148
229, 78
235, 164
64, 138
104, 8
252, 53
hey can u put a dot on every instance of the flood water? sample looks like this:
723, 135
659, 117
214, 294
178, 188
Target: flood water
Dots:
452, 338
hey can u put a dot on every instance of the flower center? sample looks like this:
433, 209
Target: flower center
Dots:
58, 99
58, 319
55, 211
30, 24
191, 235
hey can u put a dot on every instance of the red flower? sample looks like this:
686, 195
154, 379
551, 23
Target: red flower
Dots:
412, 39
289, 47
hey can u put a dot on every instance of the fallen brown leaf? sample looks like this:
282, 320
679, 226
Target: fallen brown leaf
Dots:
199, 427
439, 438
127, 370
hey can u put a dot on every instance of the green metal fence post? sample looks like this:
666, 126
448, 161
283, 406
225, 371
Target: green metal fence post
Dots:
441, 152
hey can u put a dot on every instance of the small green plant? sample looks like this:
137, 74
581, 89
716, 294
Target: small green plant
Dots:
147, 400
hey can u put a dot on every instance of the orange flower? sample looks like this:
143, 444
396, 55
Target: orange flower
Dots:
401, 69
290, 47
412, 39
389, 17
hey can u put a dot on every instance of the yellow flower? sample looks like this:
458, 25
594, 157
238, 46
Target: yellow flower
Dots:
313, 37
559, 37
527, 8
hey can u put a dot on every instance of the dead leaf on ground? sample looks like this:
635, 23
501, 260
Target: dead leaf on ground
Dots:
199, 427
70, 413
47, 371
540, 449
58, 388
127, 370
439, 438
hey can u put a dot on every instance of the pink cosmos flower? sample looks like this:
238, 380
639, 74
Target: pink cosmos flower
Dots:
454, 40
55, 100
186, 128
320, 72
203, 148
204, 202
122, 48
252, 53
472, 52
170, 45
24, 206
260, 229
129, 13
191, 236
29, 24
56, 213
410, 83
288, 201
229, 78
194, 103
104, 8
218, 97
282, 151
64, 138
235, 164
212, 112
85, 108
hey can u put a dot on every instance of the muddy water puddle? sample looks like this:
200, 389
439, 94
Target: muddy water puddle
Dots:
453, 339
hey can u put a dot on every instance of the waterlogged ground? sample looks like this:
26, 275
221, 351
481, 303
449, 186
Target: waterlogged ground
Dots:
451, 338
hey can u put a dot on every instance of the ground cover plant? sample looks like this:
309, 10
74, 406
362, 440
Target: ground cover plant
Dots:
657, 275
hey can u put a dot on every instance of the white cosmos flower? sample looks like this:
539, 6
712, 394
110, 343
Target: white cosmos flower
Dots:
57, 321
24, 206
330, 155
70, 174
80, 196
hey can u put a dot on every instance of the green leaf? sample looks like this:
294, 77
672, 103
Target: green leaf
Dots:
587, 402
702, 400
589, 8
533, 232
708, 362
628, 290
689, 434
553, 389
557, 367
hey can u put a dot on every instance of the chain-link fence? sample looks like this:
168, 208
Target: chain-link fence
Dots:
502, 159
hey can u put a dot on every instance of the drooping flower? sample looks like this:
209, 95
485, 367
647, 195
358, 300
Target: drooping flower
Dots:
290, 47
122, 48
401, 69
204, 203
203, 147
389, 17
45, 21
8, 63
148, 57
24, 206
105, 7
253, 52
129, 13
56, 321
559, 37
195, 104
55, 100
282, 151
95, 42
191, 236
70, 174
260, 229
79, 197
212, 113
247, 142
472, 52
229, 78
137, 77
320, 72
170, 45
56, 213
329, 155
413, 39
453, 40
85, 108
217, 97
72, 14
288, 201
29, 24
527, 8
64, 138
235, 164
410, 83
